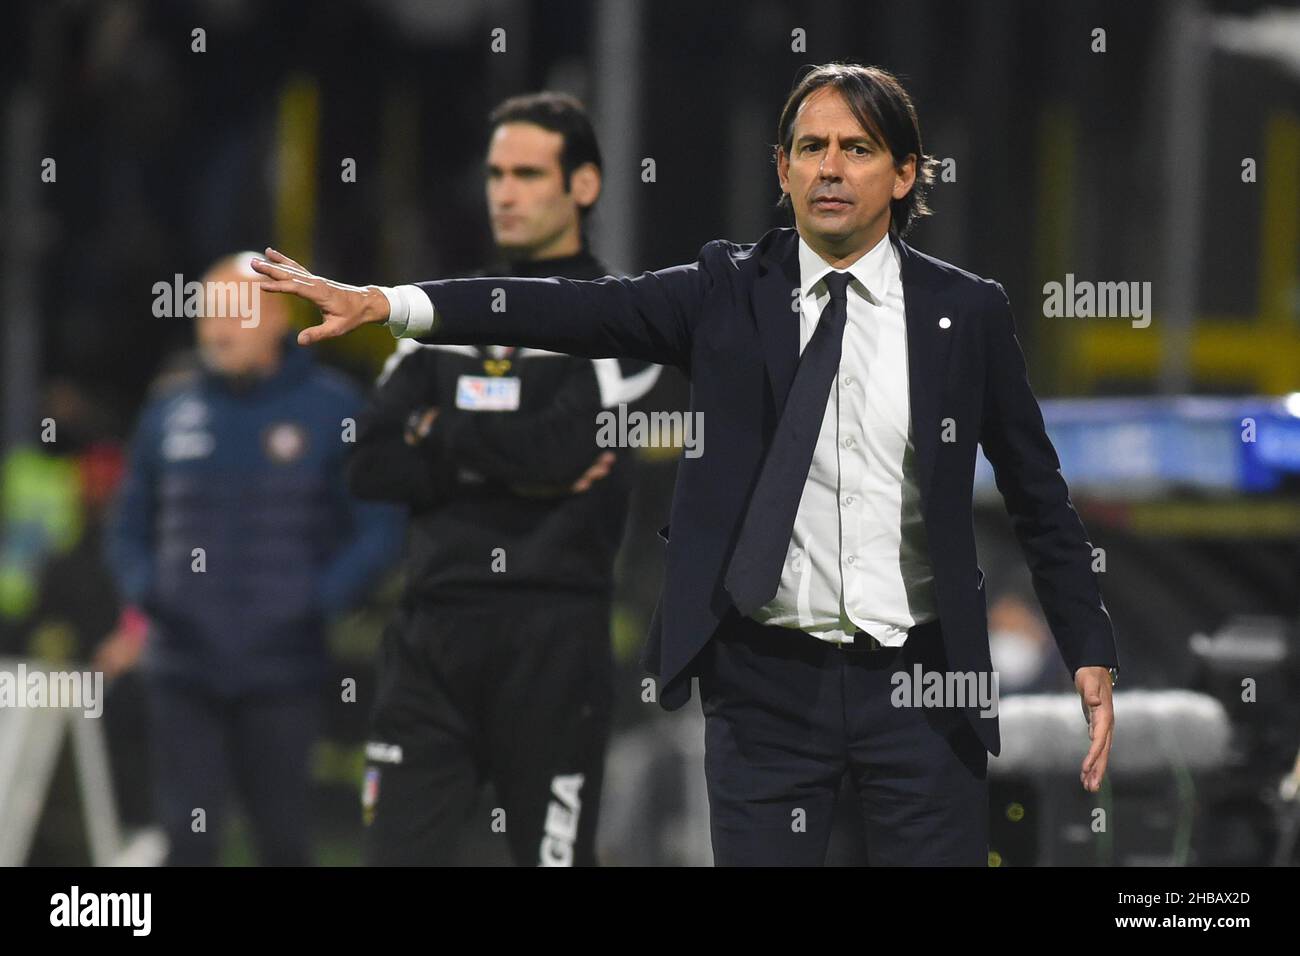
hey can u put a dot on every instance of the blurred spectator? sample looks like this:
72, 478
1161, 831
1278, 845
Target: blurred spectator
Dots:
233, 540
1022, 649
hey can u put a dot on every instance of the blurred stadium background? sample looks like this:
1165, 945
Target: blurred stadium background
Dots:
1123, 165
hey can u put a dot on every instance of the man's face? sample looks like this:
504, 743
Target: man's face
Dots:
238, 340
839, 177
529, 206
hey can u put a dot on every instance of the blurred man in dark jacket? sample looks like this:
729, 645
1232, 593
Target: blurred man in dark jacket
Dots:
498, 666
236, 538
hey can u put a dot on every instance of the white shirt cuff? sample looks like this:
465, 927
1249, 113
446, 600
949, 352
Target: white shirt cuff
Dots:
410, 311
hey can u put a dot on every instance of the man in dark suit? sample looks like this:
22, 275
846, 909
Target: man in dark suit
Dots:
821, 577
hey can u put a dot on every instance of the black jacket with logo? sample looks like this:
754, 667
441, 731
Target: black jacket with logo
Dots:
488, 487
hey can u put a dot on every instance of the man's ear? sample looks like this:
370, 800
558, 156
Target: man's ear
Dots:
584, 184
783, 170
905, 176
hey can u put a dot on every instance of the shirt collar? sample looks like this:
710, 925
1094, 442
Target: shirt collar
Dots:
874, 271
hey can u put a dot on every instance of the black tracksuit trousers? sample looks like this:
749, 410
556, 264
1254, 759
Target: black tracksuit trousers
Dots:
511, 686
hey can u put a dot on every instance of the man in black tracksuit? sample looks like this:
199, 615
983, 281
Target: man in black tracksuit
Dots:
498, 663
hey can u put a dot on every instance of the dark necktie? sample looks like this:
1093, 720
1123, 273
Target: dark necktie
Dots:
754, 573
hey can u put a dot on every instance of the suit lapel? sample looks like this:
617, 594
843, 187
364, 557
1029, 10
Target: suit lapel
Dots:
928, 348
928, 343
776, 310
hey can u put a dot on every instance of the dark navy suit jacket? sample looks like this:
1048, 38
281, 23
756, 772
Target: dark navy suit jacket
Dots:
727, 321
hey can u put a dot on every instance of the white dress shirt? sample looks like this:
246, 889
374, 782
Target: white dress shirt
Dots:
410, 311
858, 558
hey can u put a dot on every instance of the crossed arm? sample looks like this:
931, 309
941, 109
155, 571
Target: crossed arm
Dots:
419, 462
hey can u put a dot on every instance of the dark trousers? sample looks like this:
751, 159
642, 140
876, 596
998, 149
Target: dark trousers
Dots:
787, 716
205, 747
516, 689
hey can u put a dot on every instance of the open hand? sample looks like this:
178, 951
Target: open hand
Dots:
1093, 685
342, 307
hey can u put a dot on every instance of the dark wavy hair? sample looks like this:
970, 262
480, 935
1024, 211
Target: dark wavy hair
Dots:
884, 109
559, 113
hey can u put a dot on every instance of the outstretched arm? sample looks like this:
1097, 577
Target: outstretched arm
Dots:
650, 317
